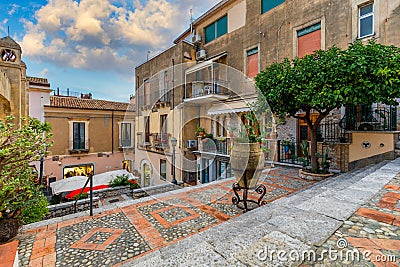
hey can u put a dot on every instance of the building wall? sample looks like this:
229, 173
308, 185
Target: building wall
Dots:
5, 94
37, 100
102, 154
100, 128
18, 90
380, 143
182, 53
275, 30
53, 167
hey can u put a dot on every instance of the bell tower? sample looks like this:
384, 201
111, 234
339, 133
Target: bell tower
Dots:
13, 81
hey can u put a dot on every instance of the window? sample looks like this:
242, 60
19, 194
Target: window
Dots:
267, 5
146, 175
126, 134
252, 63
78, 136
163, 169
308, 40
216, 29
164, 86
365, 20
146, 94
163, 124
147, 129
78, 170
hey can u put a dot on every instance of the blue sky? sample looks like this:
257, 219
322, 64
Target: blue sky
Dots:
94, 45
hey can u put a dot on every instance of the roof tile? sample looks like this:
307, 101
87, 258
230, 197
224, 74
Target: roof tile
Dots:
97, 104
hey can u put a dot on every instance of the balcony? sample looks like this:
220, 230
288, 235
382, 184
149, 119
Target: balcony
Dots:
206, 92
206, 82
159, 141
215, 146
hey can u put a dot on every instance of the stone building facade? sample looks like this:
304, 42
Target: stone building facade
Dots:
249, 35
14, 96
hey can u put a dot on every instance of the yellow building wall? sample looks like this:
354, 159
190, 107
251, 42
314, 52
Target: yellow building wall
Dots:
357, 151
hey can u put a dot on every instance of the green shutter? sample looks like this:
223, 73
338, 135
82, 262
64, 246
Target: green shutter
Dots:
222, 26
267, 5
210, 33
310, 29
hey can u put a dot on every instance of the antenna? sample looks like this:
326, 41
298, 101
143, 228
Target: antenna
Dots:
191, 20
8, 30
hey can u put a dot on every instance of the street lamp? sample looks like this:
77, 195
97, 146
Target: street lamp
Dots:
173, 143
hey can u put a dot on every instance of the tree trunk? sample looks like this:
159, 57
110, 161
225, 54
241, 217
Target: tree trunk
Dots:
313, 150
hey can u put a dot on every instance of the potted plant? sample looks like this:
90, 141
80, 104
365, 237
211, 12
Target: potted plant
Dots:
322, 166
247, 159
200, 131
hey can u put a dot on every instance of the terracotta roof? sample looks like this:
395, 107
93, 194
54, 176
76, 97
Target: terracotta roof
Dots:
38, 81
9, 43
79, 103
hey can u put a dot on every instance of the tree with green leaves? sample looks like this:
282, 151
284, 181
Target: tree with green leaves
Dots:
327, 80
20, 145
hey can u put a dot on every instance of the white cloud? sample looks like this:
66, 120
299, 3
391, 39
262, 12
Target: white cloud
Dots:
14, 8
104, 34
44, 72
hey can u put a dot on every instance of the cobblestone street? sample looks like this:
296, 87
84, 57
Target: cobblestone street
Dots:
134, 229
373, 230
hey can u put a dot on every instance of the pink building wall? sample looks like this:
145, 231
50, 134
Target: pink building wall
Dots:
108, 162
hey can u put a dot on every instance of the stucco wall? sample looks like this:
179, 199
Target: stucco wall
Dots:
375, 139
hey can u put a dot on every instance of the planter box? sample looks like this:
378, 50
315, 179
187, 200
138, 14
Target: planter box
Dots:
313, 176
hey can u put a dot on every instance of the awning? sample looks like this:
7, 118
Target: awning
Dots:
76, 182
204, 64
230, 107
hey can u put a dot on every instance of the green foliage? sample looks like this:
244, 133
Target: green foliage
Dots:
133, 184
81, 196
120, 180
199, 129
305, 160
36, 209
19, 146
324, 163
321, 82
250, 133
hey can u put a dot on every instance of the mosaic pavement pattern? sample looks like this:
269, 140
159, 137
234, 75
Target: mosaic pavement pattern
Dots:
117, 236
372, 233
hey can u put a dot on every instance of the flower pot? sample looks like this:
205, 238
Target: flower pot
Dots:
313, 176
247, 162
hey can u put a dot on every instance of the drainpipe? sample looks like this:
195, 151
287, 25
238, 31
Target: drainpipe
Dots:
112, 132
173, 83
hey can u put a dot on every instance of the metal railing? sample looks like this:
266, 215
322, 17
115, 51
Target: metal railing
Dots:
89, 180
331, 132
200, 88
160, 140
288, 151
217, 146
378, 119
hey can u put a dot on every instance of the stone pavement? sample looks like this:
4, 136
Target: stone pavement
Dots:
121, 232
323, 225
